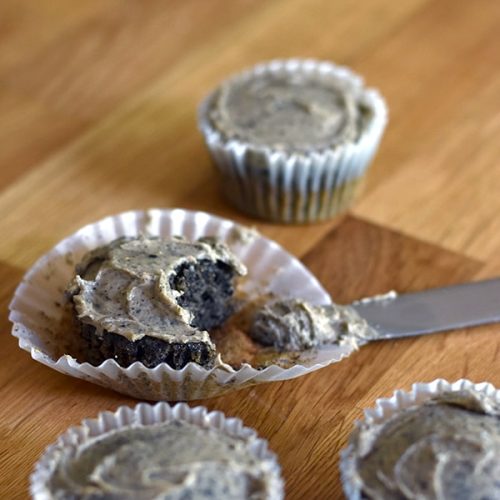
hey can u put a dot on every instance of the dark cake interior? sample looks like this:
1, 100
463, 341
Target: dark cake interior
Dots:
148, 350
207, 288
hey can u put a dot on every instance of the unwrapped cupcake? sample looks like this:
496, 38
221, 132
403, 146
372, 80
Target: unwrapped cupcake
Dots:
152, 299
293, 138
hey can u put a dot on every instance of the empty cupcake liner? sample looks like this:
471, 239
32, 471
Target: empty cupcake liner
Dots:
295, 187
40, 322
144, 415
385, 408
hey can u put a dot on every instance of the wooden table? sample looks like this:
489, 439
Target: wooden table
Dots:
98, 103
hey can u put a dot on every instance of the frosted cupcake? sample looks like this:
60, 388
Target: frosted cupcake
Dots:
153, 299
441, 441
293, 139
158, 452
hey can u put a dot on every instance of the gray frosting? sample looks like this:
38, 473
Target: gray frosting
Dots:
288, 111
295, 325
174, 461
124, 287
445, 449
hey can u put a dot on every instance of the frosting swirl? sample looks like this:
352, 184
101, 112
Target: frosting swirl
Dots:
447, 448
170, 461
292, 110
125, 287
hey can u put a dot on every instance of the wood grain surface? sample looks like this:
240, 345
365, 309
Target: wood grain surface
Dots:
98, 102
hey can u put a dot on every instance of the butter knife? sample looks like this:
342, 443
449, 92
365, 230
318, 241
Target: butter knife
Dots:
432, 310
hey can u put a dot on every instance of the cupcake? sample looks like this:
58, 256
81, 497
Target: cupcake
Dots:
153, 299
442, 441
158, 452
293, 139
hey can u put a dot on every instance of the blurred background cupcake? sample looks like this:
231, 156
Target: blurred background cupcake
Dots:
292, 139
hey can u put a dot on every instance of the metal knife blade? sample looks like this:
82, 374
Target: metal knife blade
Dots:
433, 310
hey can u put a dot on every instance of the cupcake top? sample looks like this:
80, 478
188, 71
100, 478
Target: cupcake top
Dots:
134, 286
446, 448
170, 461
294, 110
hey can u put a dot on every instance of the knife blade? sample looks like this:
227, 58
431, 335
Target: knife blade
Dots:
433, 310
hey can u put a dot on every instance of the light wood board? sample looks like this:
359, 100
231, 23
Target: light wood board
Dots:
98, 103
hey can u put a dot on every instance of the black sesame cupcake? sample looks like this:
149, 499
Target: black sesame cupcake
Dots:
158, 452
152, 299
441, 441
293, 138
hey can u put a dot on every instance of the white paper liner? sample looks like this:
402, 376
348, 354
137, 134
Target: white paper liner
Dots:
145, 414
292, 186
34, 309
385, 408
